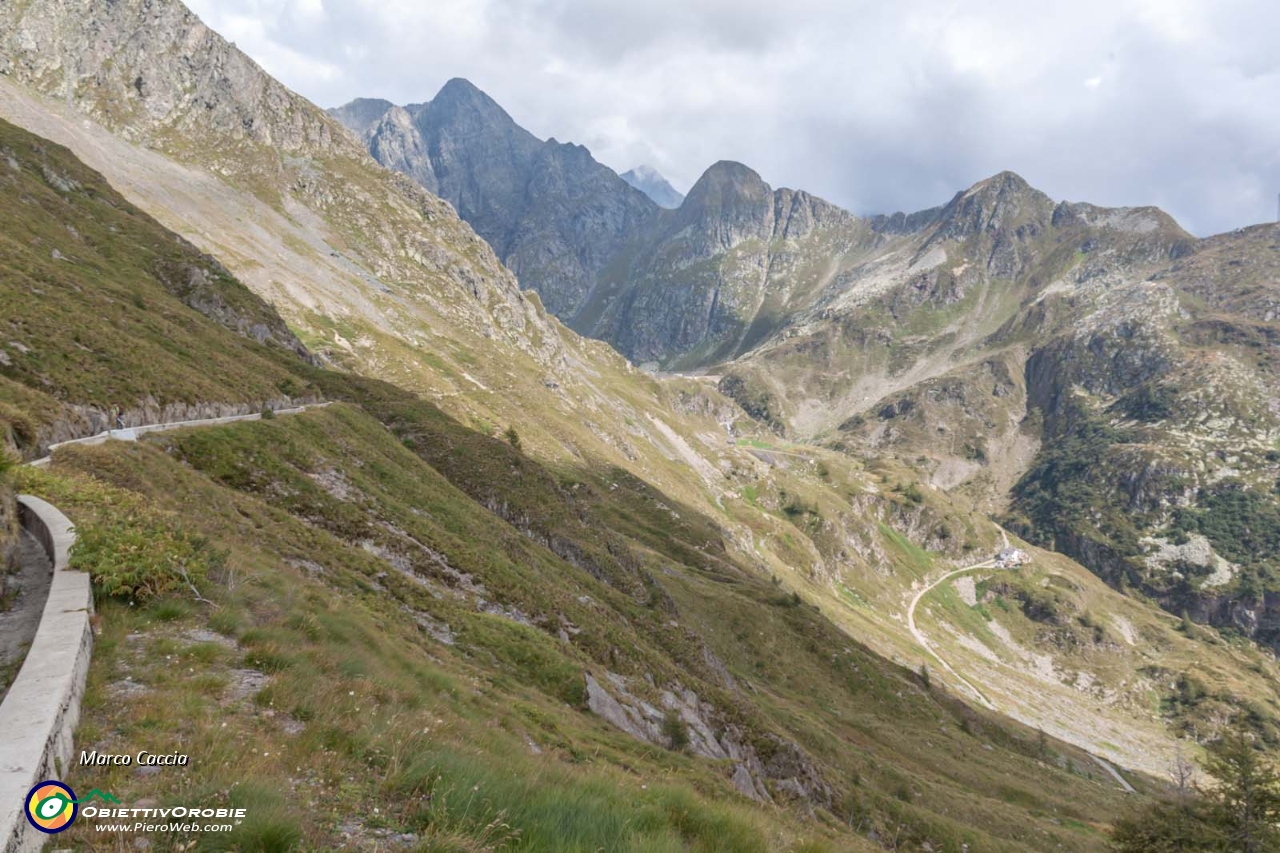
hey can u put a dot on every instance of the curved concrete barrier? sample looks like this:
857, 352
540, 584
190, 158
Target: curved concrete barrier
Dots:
42, 707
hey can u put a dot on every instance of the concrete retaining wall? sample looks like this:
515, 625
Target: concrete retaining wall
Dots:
42, 707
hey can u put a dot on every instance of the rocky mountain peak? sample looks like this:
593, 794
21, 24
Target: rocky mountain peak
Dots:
731, 203
459, 98
1003, 201
727, 181
152, 70
728, 198
651, 182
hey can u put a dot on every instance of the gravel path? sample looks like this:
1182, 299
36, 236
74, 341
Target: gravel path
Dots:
924, 641
18, 624
928, 647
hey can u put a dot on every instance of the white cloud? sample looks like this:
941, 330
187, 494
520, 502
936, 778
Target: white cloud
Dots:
876, 106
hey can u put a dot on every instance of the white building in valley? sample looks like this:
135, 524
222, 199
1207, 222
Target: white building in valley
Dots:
1009, 558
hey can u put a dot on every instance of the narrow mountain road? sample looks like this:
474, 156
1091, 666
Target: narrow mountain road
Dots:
928, 647
1115, 774
136, 432
924, 641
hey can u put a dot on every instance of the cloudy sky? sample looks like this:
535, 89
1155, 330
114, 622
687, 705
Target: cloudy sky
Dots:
876, 106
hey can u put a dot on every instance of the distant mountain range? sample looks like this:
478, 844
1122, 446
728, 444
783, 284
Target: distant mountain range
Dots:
962, 337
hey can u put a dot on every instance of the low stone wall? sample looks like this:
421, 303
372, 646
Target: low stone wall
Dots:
41, 709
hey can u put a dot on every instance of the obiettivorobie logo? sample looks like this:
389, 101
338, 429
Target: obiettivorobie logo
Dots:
52, 806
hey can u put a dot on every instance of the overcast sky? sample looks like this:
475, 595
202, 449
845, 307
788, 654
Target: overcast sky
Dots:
877, 106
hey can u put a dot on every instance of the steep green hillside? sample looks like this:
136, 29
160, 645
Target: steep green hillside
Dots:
515, 469
437, 638
368, 621
106, 308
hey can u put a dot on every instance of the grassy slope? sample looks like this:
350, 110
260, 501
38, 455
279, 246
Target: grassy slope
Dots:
309, 602
388, 282
588, 432
317, 512
97, 301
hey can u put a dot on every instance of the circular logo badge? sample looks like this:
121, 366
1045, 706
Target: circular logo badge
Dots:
51, 807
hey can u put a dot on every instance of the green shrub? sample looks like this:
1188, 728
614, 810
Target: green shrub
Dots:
1150, 403
1243, 524
911, 492
675, 730
138, 559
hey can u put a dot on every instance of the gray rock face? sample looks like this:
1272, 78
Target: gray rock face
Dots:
721, 273
553, 214
788, 770
650, 182
395, 142
361, 114
157, 68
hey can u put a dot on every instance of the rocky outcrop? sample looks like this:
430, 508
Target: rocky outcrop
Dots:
155, 70
396, 143
723, 272
204, 284
772, 768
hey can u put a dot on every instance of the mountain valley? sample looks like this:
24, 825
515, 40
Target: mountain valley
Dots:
615, 531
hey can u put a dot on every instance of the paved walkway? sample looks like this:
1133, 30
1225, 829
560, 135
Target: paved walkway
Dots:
18, 624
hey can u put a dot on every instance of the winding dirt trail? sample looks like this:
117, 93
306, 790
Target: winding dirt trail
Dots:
924, 641
928, 647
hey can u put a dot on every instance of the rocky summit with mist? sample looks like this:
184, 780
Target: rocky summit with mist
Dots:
617, 520
650, 182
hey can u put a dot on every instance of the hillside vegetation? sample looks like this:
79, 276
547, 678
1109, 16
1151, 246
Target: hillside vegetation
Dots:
389, 610
510, 591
